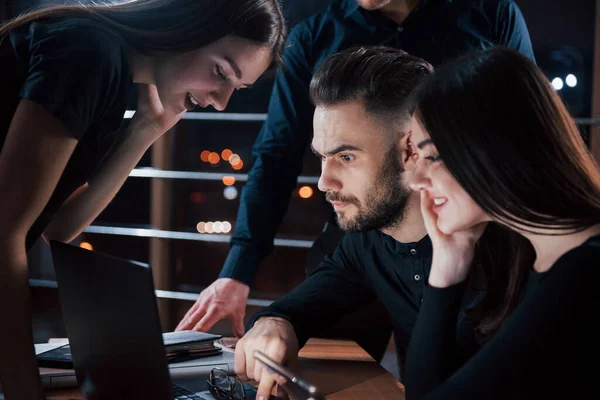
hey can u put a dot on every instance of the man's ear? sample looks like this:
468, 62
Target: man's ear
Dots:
408, 151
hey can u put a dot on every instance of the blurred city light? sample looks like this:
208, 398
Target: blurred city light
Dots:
210, 227
230, 193
86, 245
228, 180
234, 159
557, 83
214, 158
305, 192
218, 227
204, 155
214, 227
225, 154
565, 66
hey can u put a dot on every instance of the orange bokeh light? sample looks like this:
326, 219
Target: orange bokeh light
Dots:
238, 166
86, 245
204, 155
225, 154
228, 180
305, 192
214, 158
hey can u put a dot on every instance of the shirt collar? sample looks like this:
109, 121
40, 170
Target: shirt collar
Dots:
351, 6
423, 246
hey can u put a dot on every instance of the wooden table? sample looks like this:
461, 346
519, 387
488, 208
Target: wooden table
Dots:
340, 369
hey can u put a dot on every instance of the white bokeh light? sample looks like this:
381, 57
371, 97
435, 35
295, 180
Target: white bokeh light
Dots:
209, 227
571, 80
230, 193
218, 227
557, 83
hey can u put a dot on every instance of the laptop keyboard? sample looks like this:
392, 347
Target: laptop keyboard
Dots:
180, 393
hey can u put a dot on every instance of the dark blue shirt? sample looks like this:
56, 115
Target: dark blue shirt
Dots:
436, 30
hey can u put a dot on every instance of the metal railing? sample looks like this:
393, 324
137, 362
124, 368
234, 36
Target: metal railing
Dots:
249, 117
587, 121
198, 237
214, 116
148, 172
215, 176
163, 294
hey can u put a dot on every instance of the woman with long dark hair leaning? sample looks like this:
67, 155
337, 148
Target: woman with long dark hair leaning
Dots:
500, 156
66, 74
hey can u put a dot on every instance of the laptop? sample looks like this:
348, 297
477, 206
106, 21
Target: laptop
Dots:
111, 317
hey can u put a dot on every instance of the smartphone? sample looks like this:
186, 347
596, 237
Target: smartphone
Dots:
59, 357
296, 387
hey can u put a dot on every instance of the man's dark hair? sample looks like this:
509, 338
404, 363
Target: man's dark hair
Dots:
381, 77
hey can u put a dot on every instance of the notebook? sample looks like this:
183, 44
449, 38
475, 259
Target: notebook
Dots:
180, 346
176, 342
60, 376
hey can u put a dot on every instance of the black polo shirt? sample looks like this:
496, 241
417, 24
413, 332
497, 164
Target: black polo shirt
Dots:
363, 268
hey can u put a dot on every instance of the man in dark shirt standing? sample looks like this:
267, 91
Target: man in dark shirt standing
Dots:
435, 30
361, 134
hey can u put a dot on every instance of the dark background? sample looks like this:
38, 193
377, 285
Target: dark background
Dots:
562, 32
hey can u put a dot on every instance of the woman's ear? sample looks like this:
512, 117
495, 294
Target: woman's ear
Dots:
408, 151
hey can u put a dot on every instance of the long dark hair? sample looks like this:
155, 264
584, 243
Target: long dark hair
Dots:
171, 26
507, 138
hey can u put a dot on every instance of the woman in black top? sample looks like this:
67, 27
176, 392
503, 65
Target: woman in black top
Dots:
500, 155
66, 73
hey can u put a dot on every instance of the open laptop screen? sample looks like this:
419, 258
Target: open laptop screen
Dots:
112, 322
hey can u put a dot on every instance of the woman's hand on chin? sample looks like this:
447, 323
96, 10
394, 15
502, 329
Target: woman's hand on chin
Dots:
452, 253
152, 117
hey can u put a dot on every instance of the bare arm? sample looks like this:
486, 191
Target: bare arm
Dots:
150, 121
35, 153
83, 206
